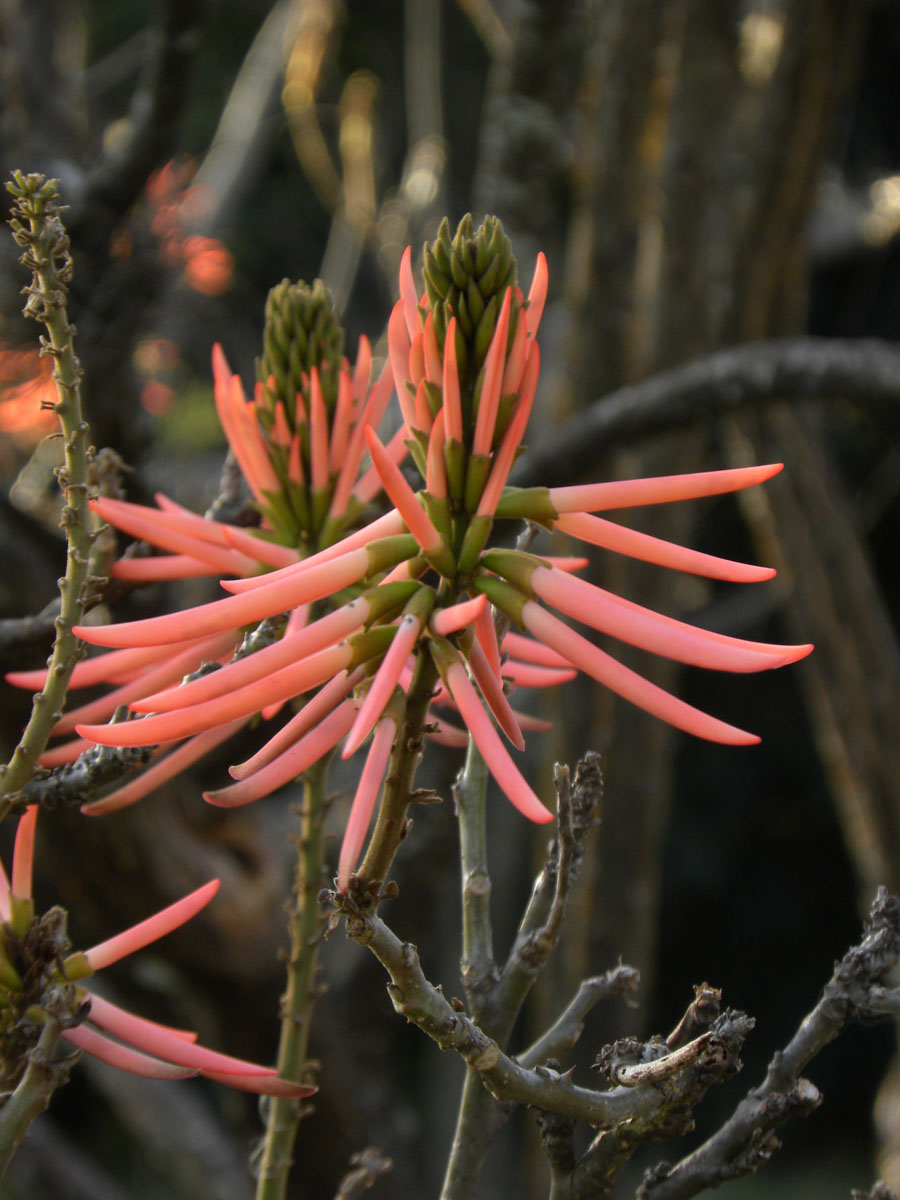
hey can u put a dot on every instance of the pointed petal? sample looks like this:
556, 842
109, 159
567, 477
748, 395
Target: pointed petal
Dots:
299, 758
398, 349
370, 484
293, 647
263, 1085
455, 617
388, 525
489, 400
172, 532
165, 673
402, 496
531, 651
491, 686
619, 538
123, 1057
537, 295
436, 472
504, 458
58, 756
152, 929
385, 680
273, 597
163, 770
156, 1039
531, 676
23, 854
311, 714
408, 295
486, 632
364, 801
654, 632
284, 684
627, 493
492, 749
628, 684
259, 549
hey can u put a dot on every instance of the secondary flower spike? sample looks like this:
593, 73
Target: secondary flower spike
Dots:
37, 968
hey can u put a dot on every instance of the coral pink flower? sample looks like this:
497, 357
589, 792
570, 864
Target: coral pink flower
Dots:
143, 1047
423, 579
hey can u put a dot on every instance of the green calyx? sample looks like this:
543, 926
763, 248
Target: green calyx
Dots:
390, 597
466, 276
527, 504
503, 595
302, 331
514, 565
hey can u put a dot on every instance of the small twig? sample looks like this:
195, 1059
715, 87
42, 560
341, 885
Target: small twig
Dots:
422, 1004
42, 1076
866, 372
368, 1166
578, 807
747, 1138
24, 631
568, 1027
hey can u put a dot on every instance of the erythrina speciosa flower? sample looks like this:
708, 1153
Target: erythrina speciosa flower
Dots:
421, 586
40, 979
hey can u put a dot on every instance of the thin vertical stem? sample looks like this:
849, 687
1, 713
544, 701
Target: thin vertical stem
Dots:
37, 227
390, 828
305, 927
477, 1108
32, 1093
479, 972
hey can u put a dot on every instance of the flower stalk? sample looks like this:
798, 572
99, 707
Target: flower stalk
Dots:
37, 228
305, 922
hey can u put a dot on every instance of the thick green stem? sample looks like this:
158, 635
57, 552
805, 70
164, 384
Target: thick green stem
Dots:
478, 1116
305, 927
32, 1093
390, 828
479, 971
36, 226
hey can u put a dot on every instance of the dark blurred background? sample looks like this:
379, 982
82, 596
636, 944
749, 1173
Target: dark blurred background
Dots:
699, 175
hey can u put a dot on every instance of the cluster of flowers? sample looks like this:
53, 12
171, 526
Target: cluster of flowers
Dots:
414, 590
36, 979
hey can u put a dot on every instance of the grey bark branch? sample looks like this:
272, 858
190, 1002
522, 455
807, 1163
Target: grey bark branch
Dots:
864, 371
747, 1138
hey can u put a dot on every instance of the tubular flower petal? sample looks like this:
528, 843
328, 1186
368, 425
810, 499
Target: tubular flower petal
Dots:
231, 613
164, 770
491, 686
287, 766
290, 681
385, 680
309, 715
626, 683
152, 929
364, 801
635, 544
23, 854
123, 1058
492, 750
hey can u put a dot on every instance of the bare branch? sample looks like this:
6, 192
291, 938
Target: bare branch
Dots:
865, 371
747, 1138
568, 1027
368, 1166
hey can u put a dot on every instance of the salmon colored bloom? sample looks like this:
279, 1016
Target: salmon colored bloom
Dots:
424, 579
34, 969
